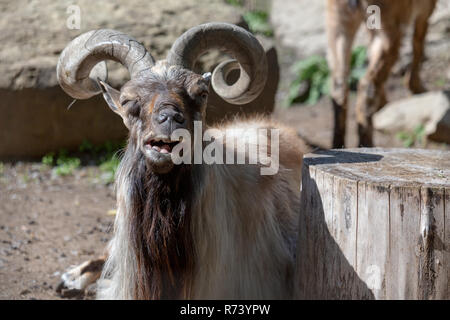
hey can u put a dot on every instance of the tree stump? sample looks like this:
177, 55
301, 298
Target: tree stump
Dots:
375, 224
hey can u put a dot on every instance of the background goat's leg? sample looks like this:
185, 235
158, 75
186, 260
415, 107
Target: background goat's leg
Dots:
342, 24
420, 31
371, 95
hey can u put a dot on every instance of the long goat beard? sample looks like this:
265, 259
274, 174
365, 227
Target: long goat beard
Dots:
160, 230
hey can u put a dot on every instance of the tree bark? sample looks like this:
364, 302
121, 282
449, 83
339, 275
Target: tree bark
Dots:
375, 224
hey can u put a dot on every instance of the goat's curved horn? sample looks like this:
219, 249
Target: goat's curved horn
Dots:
240, 44
83, 53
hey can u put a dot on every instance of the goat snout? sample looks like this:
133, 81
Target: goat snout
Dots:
170, 115
167, 120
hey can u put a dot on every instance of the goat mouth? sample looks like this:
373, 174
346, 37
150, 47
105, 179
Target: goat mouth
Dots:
161, 145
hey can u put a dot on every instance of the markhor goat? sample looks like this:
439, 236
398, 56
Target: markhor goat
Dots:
343, 20
191, 230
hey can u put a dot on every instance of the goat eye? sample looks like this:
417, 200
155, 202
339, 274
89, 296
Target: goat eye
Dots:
132, 106
126, 101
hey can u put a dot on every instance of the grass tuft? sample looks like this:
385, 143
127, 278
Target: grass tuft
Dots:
236, 3
414, 138
258, 22
109, 168
63, 164
313, 77
104, 156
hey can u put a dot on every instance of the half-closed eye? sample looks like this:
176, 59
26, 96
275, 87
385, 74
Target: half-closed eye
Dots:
131, 106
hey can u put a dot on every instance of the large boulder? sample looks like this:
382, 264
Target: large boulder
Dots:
35, 119
432, 110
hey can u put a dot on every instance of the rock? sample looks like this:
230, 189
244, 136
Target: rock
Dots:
71, 293
35, 119
25, 292
432, 110
28, 55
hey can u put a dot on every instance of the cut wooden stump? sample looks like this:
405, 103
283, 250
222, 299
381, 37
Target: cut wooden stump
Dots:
375, 224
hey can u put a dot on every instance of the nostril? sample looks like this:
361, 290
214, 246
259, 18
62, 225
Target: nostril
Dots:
178, 117
170, 115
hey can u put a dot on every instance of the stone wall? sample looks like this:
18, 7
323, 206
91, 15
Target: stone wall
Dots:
34, 117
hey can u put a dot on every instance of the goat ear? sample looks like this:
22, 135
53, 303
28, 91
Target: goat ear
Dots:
207, 77
199, 86
112, 98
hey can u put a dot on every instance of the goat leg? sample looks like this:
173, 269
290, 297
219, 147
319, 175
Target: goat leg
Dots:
341, 32
413, 80
75, 280
371, 95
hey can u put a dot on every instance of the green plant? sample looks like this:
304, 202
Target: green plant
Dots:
440, 82
67, 166
48, 159
25, 178
86, 146
99, 151
358, 65
109, 160
414, 138
64, 165
314, 73
105, 156
109, 168
112, 147
313, 77
236, 3
258, 22
2, 168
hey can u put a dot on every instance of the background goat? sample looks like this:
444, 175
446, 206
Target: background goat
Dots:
343, 20
189, 231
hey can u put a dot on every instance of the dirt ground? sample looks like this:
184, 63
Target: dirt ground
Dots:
48, 224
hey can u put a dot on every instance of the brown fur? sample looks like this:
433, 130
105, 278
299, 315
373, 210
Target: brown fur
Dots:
199, 231
160, 232
205, 232
151, 105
